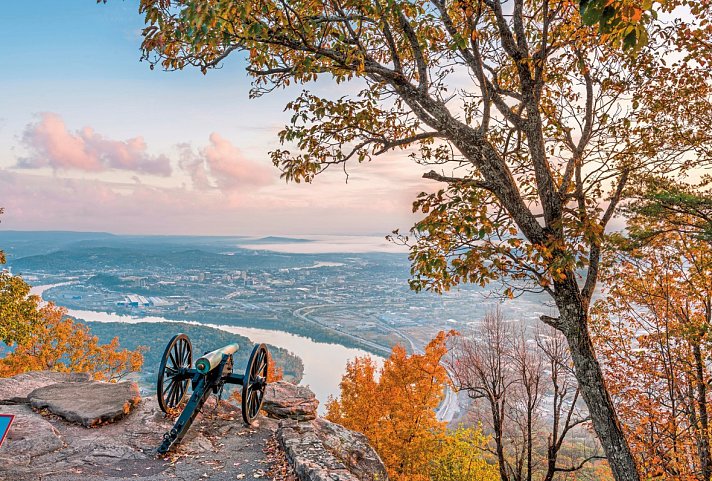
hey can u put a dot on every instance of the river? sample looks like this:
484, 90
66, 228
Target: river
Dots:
324, 363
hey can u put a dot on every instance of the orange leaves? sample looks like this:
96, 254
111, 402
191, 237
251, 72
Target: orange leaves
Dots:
274, 373
395, 408
653, 332
59, 343
467, 237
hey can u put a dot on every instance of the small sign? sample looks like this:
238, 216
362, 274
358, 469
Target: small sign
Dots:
5, 423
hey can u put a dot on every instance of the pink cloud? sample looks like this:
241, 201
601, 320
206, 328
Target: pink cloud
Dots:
42, 202
51, 144
225, 165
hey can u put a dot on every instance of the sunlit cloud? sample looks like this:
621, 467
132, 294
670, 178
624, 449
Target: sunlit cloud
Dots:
50, 144
222, 165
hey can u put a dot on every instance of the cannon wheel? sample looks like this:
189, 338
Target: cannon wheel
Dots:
254, 383
171, 391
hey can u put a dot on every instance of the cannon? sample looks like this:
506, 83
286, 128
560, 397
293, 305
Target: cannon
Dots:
209, 375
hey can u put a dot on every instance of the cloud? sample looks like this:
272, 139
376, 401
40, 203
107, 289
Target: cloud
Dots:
51, 144
44, 202
222, 165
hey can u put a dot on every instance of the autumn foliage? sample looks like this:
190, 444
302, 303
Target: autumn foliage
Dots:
58, 343
42, 337
395, 408
653, 330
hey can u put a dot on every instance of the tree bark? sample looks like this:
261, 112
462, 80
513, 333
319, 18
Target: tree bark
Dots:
703, 446
573, 323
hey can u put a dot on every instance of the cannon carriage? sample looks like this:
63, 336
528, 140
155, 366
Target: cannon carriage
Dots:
207, 376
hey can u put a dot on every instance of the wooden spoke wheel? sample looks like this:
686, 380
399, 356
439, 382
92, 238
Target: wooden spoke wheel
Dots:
254, 383
172, 384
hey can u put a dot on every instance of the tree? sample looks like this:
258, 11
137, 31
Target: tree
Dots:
653, 330
44, 338
543, 133
19, 316
58, 343
18, 310
396, 412
509, 381
660, 206
457, 455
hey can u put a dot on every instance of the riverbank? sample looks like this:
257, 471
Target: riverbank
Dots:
324, 363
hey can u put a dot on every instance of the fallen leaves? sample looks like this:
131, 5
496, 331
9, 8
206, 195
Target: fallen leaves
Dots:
280, 469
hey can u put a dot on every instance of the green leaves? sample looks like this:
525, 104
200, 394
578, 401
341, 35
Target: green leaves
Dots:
591, 11
622, 22
662, 205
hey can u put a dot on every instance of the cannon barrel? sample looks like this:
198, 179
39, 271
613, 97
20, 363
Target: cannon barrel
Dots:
211, 360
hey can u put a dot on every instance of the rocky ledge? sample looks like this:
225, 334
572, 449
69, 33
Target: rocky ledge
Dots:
317, 449
68, 427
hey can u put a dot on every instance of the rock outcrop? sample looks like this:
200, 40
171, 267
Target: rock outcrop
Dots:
284, 400
320, 450
14, 390
53, 443
317, 449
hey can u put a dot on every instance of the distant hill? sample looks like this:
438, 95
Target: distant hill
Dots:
18, 244
274, 240
142, 259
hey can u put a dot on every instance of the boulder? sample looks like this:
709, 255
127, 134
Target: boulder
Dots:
87, 403
320, 450
284, 400
14, 390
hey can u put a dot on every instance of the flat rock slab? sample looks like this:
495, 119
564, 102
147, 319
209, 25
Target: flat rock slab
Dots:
218, 447
87, 403
284, 400
14, 390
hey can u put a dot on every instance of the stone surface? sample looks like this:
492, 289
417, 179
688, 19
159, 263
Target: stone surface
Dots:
284, 400
218, 446
352, 449
87, 403
30, 436
320, 450
14, 390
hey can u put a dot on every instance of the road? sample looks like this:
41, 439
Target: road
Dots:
299, 313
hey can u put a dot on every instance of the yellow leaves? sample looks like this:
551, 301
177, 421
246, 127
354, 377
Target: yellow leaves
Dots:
457, 455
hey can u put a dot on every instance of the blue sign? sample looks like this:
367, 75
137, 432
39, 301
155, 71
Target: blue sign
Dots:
5, 423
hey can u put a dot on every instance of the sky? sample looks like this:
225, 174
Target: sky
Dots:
92, 140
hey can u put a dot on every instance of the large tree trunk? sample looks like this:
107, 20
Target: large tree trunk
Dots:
573, 322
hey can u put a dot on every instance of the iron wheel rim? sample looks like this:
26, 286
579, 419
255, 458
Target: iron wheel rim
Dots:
171, 392
255, 383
